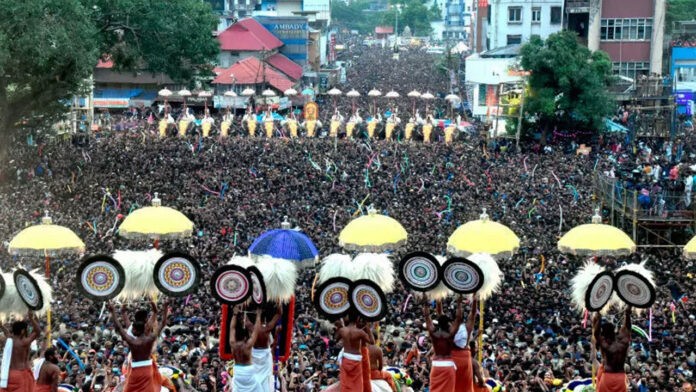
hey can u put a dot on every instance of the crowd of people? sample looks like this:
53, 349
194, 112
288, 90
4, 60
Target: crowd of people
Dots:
236, 188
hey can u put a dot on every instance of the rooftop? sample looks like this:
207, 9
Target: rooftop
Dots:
248, 35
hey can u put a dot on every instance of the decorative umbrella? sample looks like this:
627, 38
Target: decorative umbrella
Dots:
372, 233
690, 249
156, 222
205, 95
483, 236
374, 93
596, 239
353, 94
392, 94
268, 93
184, 93
285, 243
230, 93
334, 92
414, 95
291, 92
308, 91
427, 97
248, 92
166, 93
452, 99
46, 239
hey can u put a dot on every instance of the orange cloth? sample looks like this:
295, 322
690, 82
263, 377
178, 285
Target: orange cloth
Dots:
42, 388
611, 382
161, 380
442, 379
481, 389
367, 385
350, 376
383, 375
20, 381
141, 379
465, 371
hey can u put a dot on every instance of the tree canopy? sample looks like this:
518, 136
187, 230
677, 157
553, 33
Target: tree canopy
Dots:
49, 47
677, 11
568, 84
358, 16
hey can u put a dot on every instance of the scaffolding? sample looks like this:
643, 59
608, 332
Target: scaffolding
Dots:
658, 219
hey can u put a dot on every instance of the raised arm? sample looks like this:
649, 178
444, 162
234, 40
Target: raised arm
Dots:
370, 337
471, 320
233, 326
458, 317
257, 327
35, 327
119, 328
165, 316
276, 317
595, 326
625, 332
426, 313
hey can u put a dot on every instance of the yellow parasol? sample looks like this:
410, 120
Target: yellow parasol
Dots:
483, 236
46, 239
156, 222
596, 239
690, 249
372, 233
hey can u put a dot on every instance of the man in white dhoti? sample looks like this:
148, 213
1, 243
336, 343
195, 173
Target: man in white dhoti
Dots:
261, 353
245, 378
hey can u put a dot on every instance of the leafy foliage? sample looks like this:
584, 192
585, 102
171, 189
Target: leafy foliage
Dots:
49, 47
679, 10
357, 16
568, 83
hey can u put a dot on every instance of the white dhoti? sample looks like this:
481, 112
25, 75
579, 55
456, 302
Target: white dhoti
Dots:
262, 361
380, 386
246, 380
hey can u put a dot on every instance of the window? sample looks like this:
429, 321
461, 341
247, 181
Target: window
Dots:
514, 39
482, 94
536, 15
631, 69
555, 15
515, 14
635, 29
488, 14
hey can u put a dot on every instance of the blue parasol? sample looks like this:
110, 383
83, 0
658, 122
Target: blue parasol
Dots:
307, 91
285, 243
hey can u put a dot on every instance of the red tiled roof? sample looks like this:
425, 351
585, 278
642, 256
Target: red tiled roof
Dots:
251, 71
248, 35
285, 65
384, 30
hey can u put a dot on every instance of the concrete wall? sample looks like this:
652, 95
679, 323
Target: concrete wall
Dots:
500, 27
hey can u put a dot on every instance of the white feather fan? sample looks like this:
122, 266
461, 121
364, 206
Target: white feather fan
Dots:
335, 265
241, 261
581, 282
640, 269
139, 267
375, 267
11, 305
280, 277
492, 275
440, 291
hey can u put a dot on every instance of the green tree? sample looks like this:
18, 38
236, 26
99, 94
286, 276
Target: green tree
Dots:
45, 55
568, 84
49, 47
413, 14
435, 12
679, 10
355, 16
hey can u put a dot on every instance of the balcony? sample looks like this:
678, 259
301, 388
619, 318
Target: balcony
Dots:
577, 7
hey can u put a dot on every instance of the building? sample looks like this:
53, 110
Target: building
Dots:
631, 35
485, 74
683, 68
457, 20
293, 31
246, 38
510, 22
120, 90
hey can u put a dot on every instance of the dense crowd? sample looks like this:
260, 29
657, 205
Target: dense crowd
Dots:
532, 335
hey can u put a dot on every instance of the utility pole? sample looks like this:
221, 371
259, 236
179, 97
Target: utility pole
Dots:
519, 118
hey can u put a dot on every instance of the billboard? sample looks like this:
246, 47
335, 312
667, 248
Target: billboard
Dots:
293, 31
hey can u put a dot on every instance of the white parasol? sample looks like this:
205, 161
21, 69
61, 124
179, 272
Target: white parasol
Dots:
353, 94
374, 93
230, 93
334, 92
165, 92
184, 93
392, 94
268, 93
414, 94
290, 92
248, 92
427, 96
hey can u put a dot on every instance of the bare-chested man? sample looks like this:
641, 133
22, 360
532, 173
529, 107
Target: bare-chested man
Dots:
443, 370
47, 372
142, 377
261, 353
461, 354
382, 380
354, 338
245, 379
614, 348
18, 376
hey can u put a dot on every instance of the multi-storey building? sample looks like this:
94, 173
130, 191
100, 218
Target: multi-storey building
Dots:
509, 22
631, 35
457, 20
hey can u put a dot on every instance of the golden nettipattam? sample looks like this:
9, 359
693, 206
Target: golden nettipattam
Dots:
156, 222
483, 236
596, 239
372, 233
